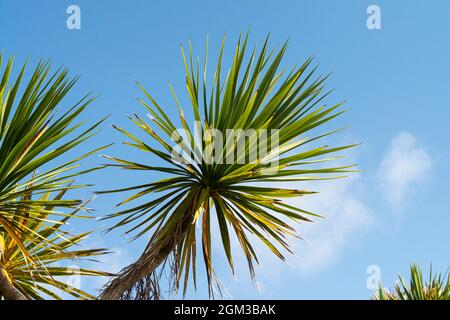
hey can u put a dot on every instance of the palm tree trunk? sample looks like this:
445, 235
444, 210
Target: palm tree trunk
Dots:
7, 291
149, 261
145, 265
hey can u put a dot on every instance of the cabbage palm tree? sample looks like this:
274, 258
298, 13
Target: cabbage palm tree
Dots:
436, 288
206, 178
34, 133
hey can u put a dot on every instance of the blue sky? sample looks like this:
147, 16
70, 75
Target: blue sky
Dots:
395, 81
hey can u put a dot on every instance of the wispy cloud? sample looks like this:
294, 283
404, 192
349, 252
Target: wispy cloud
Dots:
347, 217
405, 165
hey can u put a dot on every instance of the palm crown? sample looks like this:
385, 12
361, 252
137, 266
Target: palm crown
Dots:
254, 96
437, 287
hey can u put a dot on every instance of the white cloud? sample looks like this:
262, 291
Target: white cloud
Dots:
346, 218
405, 165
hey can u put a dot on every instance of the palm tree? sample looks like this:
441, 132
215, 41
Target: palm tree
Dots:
33, 133
246, 196
436, 288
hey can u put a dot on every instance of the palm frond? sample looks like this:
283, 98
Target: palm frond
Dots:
50, 246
